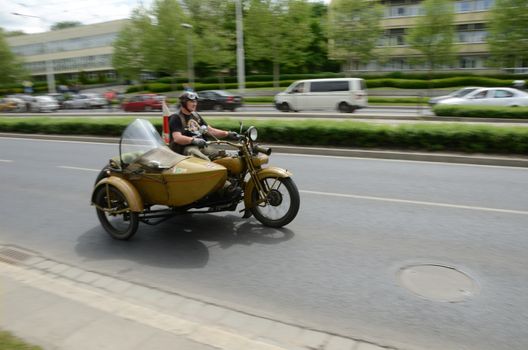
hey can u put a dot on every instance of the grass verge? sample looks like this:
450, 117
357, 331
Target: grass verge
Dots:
10, 342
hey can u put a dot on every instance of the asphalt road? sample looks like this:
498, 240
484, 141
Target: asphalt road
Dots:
334, 268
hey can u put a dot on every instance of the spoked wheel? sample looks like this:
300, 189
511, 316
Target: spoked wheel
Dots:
281, 203
114, 213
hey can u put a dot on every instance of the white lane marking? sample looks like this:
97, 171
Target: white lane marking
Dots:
6, 161
395, 200
60, 141
76, 168
384, 199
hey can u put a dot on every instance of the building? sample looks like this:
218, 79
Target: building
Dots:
68, 52
471, 17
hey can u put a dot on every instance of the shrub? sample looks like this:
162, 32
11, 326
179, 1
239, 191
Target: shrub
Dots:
481, 111
426, 137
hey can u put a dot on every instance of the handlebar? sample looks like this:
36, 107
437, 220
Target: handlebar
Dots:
258, 148
265, 150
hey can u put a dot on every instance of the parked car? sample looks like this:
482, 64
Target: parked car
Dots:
44, 104
218, 100
457, 93
12, 104
26, 100
490, 97
60, 98
86, 100
143, 103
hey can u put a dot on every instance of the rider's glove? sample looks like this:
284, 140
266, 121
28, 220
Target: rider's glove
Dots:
198, 142
233, 135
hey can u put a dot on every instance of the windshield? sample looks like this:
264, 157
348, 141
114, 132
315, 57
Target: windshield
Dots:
139, 137
463, 92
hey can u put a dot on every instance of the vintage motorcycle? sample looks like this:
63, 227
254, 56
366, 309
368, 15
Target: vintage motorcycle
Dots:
150, 183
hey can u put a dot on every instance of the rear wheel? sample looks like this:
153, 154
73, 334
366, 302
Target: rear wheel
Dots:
281, 204
345, 108
114, 213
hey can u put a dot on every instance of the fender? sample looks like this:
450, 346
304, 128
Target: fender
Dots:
262, 174
129, 191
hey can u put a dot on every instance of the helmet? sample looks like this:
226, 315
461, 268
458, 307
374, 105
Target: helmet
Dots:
188, 96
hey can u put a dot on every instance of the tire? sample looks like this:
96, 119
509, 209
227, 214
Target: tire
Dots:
283, 200
218, 107
285, 107
121, 226
148, 109
345, 108
102, 174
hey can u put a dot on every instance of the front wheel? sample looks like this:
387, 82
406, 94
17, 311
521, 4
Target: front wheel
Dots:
114, 213
281, 202
285, 107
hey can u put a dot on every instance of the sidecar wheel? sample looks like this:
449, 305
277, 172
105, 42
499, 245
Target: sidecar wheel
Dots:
282, 203
122, 225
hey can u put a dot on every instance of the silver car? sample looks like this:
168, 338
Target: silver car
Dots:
457, 93
86, 100
44, 104
501, 96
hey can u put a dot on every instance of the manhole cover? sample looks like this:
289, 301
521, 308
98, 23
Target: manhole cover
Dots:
437, 282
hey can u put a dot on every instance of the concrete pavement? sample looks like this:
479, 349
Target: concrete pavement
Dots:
64, 307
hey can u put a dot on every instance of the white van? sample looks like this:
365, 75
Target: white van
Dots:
342, 94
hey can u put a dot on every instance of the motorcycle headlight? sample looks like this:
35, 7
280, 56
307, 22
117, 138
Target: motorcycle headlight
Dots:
252, 133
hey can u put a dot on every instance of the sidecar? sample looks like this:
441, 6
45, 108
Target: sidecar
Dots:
145, 174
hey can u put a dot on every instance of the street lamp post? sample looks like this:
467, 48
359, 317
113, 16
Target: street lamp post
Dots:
241, 71
190, 65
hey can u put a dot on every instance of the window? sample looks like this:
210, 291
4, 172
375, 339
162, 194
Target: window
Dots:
326, 86
502, 94
481, 94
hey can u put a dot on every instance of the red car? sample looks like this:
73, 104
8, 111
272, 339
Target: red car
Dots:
143, 103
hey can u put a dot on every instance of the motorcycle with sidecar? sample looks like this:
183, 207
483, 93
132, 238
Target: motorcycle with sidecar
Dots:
150, 183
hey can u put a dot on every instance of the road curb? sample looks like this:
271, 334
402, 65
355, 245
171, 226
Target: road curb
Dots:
196, 320
475, 159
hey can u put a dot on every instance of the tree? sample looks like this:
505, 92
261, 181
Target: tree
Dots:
129, 57
508, 33
317, 59
432, 35
166, 43
354, 30
65, 24
11, 69
214, 24
278, 31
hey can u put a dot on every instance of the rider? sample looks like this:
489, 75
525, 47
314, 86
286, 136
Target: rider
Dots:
185, 135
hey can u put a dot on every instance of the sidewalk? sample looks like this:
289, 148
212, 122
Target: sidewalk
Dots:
63, 307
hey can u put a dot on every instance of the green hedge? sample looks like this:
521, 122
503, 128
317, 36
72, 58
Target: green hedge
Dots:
438, 83
424, 137
481, 111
